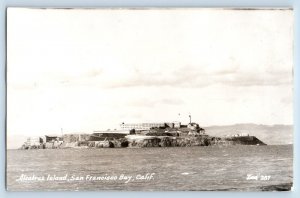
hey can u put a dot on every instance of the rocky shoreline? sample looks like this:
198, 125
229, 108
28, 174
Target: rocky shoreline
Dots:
140, 141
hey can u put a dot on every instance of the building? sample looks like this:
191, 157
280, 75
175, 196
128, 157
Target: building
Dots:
141, 126
48, 138
127, 132
177, 124
33, 141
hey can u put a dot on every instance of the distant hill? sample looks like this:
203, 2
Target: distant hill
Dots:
269, 134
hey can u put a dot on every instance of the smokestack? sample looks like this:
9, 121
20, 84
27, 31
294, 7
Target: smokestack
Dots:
190, 118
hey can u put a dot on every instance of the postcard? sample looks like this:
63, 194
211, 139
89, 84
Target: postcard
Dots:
149, 99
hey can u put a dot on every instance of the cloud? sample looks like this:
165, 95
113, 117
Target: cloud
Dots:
172, 101
192, 77
150, 102
287, 100
94, 72
256, 79
182, 77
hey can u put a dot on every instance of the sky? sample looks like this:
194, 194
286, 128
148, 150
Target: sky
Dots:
79, 70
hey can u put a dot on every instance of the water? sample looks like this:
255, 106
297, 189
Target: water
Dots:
176, 168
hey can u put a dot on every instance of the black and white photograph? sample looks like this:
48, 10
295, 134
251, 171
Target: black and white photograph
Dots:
149, 99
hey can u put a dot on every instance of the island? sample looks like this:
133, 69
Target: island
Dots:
138, 135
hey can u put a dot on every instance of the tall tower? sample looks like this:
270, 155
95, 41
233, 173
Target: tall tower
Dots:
190, 118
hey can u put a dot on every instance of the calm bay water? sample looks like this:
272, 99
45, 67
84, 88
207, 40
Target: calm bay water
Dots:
175, 168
